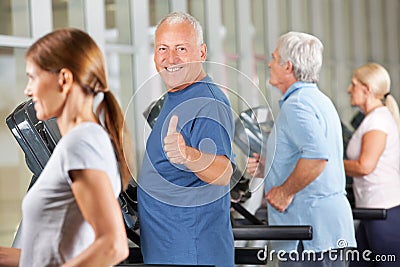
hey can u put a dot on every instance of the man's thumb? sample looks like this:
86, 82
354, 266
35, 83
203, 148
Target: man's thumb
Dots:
173, 123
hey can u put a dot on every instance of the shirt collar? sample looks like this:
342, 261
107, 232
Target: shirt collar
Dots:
206, 79
293, 88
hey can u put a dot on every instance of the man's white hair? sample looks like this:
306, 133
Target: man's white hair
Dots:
179, 17
304, 51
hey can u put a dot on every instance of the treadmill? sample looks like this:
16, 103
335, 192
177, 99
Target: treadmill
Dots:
38, 139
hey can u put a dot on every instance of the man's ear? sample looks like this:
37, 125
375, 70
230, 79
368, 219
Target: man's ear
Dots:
203, 52
65, 79
289, 66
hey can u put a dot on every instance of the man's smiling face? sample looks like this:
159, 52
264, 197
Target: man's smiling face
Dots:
177, 55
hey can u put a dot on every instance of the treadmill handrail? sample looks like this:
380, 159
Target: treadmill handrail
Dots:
264, 232
369, 214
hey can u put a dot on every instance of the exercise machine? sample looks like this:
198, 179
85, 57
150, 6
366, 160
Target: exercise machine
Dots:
38, 139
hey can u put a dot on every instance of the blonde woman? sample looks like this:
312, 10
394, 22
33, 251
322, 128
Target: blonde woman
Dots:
374, 162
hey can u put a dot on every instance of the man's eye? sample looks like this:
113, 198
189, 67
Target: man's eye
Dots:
181, 49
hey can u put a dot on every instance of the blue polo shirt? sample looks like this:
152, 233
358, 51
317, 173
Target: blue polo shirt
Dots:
184, 220
308, 127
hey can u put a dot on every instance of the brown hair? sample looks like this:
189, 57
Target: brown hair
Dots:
77, 51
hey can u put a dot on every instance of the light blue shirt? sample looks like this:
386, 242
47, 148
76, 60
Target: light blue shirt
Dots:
308, 127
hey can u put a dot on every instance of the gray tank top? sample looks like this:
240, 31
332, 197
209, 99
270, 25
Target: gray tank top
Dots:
54, 229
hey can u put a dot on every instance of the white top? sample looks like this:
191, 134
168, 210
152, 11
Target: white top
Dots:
380, 188
54, 229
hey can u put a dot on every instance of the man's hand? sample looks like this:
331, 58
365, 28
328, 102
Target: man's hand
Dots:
174, 143
256, 166
278, 198
209, 168
305, 172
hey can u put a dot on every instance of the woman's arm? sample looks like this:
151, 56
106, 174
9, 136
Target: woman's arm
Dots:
9, 257
93, 193
372, 146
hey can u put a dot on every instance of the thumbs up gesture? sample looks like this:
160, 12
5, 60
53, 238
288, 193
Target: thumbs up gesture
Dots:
174, 143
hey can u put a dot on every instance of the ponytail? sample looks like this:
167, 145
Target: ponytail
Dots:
116, 128
77, 51
391, 104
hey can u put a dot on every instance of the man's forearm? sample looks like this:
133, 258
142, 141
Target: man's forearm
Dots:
9, 257
208, 167
305, 172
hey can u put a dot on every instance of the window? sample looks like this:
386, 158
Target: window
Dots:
118, 22
68, 13
14, 174
14, 18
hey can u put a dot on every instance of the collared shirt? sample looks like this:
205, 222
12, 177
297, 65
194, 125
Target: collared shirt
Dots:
308, 127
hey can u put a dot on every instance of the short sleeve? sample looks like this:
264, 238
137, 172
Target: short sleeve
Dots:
87, 148
306, 131
377, 122
213, 129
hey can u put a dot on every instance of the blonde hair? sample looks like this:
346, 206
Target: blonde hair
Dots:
377, 79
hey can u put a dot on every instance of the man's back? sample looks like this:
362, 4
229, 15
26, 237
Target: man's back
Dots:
308, 127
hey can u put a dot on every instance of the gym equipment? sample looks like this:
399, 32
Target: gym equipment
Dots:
358, 214
369, 214
256, 131
245, 255
153, 110
38, 140
252, 129
264, 232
